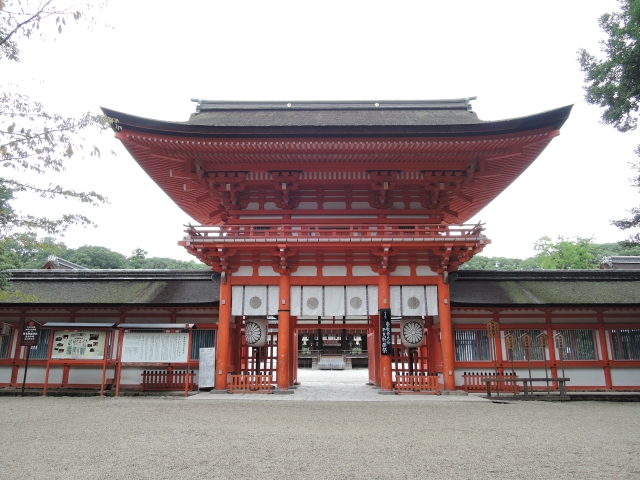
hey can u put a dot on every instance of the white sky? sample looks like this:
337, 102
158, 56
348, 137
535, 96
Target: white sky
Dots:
518, 58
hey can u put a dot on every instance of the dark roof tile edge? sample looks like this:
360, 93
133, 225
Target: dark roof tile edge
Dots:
549, 275
112, 275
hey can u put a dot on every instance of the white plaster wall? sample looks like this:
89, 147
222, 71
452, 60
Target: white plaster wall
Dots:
334, 271
625, 377
424, 271
5, 374
88, 375
363, 271
584, 377
401, 271
307, 206
361, 206
253, 206
36, 374
458, 372
133, 375
334, 205
244, 271
267, 271
306, 271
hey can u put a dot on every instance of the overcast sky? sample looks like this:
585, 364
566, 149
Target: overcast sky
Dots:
518, 58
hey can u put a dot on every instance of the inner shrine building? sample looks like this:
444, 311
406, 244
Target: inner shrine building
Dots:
335, 218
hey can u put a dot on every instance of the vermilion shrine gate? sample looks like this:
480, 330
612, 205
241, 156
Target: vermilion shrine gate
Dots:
325, 216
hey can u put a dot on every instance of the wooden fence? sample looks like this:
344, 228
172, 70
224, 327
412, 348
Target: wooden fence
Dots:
418, 384
167, 380
251, 384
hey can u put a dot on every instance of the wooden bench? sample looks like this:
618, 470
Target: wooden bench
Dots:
426, 384
251, 384
528, 391
166, 380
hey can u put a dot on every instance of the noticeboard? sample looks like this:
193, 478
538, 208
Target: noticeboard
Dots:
207, 368
78, 345
385, 332
158, 347
30, 334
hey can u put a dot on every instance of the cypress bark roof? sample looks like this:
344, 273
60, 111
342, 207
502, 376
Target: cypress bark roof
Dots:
337, 118
550, 287
118, 287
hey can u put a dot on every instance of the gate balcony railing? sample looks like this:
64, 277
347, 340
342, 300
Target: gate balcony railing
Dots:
198, 234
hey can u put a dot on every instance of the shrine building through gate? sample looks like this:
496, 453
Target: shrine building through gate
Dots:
335, 217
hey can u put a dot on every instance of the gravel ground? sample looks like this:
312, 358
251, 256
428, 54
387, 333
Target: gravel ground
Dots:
173, 437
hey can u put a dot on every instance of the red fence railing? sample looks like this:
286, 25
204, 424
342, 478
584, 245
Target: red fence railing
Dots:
204, 233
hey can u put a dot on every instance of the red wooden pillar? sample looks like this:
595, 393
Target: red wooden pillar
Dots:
224, 335
604, 348
386, 379
446, 334
284, 333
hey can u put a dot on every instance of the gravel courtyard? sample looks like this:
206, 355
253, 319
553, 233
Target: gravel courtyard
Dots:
174, 437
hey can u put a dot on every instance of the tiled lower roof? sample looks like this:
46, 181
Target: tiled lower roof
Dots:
546, 287
118, 287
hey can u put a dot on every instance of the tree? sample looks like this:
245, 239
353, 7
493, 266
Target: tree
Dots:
33, 139
564, 254
613, 83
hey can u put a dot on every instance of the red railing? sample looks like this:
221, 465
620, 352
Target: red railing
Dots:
417, 384
251, 384
197, 234
166, 380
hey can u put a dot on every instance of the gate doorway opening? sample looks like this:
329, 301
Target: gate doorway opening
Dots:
332, 348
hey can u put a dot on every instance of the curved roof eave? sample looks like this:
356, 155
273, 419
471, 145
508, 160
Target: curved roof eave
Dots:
552, 118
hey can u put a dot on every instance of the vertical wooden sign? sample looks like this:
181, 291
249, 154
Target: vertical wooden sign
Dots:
385, 332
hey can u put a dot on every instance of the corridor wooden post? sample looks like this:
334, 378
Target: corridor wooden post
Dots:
386, 379
284, 340
224, 335
446, 334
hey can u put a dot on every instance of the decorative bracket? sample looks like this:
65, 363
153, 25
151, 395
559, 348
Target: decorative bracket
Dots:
382, 182
287, 183
282, 260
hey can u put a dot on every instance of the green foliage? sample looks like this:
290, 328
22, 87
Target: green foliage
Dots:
26, 250
97, 257
613, 83
500, 263
33, 139
564, 254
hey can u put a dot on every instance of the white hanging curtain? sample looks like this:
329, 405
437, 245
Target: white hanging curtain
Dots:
312, 301
334, 301
295, 299
254, 300
362, 300
273, 292
414, 301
